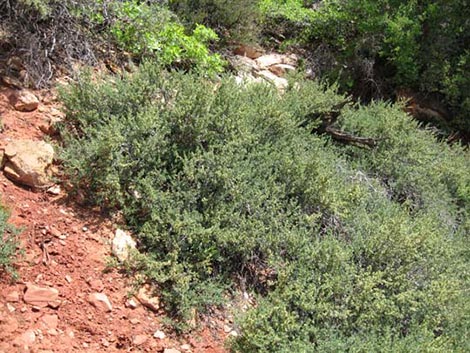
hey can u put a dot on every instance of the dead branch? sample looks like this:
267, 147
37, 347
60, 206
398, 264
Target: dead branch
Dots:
345, 137
329, 119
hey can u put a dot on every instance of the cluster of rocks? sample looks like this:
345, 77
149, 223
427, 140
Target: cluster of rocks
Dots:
252, 65
24, 161
40, 298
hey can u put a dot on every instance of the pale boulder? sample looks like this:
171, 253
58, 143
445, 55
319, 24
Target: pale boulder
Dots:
122, 244
24, 101
242, 64
27, 162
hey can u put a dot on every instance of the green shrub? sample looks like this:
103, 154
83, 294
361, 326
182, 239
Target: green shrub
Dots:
8, 243
224, 188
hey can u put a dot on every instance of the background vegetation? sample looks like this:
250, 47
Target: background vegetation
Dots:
373, 49
376, 47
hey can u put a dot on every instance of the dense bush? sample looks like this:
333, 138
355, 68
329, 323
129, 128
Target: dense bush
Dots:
344, 248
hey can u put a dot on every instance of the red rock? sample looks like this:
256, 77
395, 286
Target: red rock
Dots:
40, 296
100, 301
139, 340
281, 69
50, 321
248, 51
13, 297
96, 285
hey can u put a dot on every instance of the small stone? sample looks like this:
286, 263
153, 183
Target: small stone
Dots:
85, 229
105, 342
249, 51
96, 285
10, 308
13, 297
54, 232
171, 350
159, 335
52, 332
139, 340
100, 301
54, 190
134, 321
281, 69
36, 308
131, 303
55, 304
68, 279
233, 333
185, 347
24, 101
227, 328
40, 296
